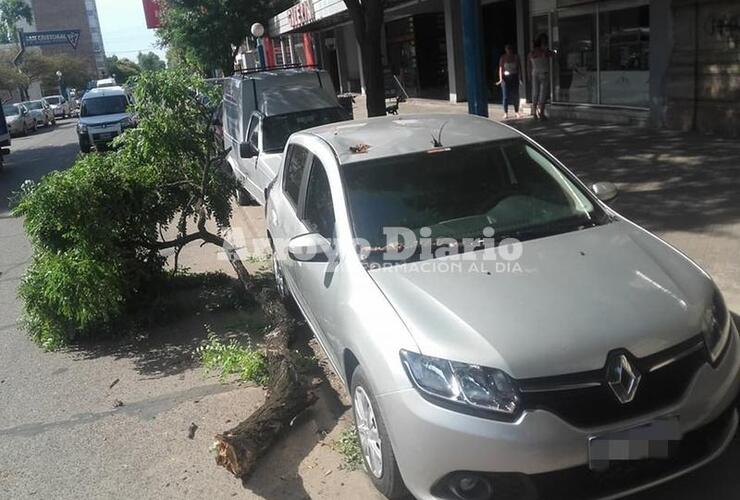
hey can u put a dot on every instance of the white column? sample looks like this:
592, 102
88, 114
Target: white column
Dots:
362, 70
290, 48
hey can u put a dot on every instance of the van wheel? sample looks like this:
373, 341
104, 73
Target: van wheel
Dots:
243, 197
377, 453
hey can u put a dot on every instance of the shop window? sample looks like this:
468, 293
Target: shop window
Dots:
575, 73
624, 49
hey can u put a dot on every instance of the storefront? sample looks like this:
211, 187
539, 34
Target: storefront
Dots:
671, 63
602, 51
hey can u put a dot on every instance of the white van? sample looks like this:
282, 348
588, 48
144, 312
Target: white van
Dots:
261, 110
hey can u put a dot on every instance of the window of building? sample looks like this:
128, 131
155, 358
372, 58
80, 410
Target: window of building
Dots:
624, 48
602, 53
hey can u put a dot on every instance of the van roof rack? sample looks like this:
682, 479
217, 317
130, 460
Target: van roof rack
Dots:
276, 67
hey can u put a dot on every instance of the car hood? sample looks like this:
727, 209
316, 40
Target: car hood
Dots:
560, 308
99, 120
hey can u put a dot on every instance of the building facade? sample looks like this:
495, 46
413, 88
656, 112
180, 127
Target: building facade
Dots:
668, 63
52, 15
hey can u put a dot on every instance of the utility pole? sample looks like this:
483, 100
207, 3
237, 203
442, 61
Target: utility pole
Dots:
475, 78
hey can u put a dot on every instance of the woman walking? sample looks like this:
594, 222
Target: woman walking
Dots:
539, 59
509, 76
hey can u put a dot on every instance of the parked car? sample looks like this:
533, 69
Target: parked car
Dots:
41, 111
19, 120
104, 115
533, 338
59, 105
261, 110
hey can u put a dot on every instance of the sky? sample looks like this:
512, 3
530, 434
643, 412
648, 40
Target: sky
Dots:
124, 29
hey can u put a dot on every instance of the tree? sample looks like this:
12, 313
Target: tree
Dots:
37, 67
367, 18
12, 11
122, 68
211, 31
150, 62
96, 229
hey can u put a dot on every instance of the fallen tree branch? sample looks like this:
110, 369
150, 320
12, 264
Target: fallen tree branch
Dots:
288, 391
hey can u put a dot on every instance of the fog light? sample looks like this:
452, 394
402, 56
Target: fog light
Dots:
470, 487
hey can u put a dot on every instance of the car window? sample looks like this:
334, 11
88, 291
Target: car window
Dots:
10, 110
295, 166
318, 211
253, 133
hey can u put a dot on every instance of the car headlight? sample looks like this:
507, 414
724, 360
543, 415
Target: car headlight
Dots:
470, 387
716, 327
81, 128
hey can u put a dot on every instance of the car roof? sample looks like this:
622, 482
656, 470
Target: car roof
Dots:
398, 135
104, 91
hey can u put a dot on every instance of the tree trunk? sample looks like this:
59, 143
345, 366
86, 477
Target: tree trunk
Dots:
367, 19
288, 392
239, 449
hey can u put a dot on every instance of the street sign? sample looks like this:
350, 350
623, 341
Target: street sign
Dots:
40, 38
152, 13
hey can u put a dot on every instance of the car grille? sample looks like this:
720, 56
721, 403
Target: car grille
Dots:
586, 400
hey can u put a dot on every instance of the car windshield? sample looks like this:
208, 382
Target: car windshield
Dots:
277, 129
33, 104
463, 193
10, 110
52, 100
108, 105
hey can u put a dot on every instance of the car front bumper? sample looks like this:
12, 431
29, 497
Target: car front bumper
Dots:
431, 442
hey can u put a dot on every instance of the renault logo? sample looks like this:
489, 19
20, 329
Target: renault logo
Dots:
623, 378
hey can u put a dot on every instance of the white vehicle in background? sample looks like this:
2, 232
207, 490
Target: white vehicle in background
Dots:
59, 105
18, 118
104, 115
261, 110
41, 112
106, 82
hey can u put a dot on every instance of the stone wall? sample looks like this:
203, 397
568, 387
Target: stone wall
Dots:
701, 87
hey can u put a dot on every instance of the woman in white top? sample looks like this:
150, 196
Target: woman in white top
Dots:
539, 59
509, 76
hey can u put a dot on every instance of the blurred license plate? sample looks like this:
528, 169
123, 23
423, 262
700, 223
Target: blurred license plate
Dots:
105, 136
657, 439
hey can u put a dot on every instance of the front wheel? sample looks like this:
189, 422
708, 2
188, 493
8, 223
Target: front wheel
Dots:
377, 453
280, 284
85, 147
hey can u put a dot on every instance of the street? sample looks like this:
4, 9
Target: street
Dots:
63, 436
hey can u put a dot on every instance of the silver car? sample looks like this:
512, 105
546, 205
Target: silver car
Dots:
502, 331
41, 112
19, 119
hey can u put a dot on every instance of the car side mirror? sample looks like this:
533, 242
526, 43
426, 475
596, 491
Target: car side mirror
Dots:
311, 247
605, 191
247, 150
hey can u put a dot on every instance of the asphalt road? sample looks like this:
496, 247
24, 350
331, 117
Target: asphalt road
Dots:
61, 436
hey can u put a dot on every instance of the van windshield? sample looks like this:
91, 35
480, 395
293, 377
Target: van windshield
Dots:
33, 104
52, 100
108, 105
277, 129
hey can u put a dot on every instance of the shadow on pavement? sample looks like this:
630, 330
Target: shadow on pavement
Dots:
668, 180
32, 163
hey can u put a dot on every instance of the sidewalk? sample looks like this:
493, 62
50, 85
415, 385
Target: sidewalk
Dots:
684, 187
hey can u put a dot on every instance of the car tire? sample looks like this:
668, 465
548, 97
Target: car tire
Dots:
85, 148
25, 130
35, 126
385, 476
280, 285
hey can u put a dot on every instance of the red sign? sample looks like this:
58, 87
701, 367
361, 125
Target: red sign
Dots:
151, 12
300, 14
